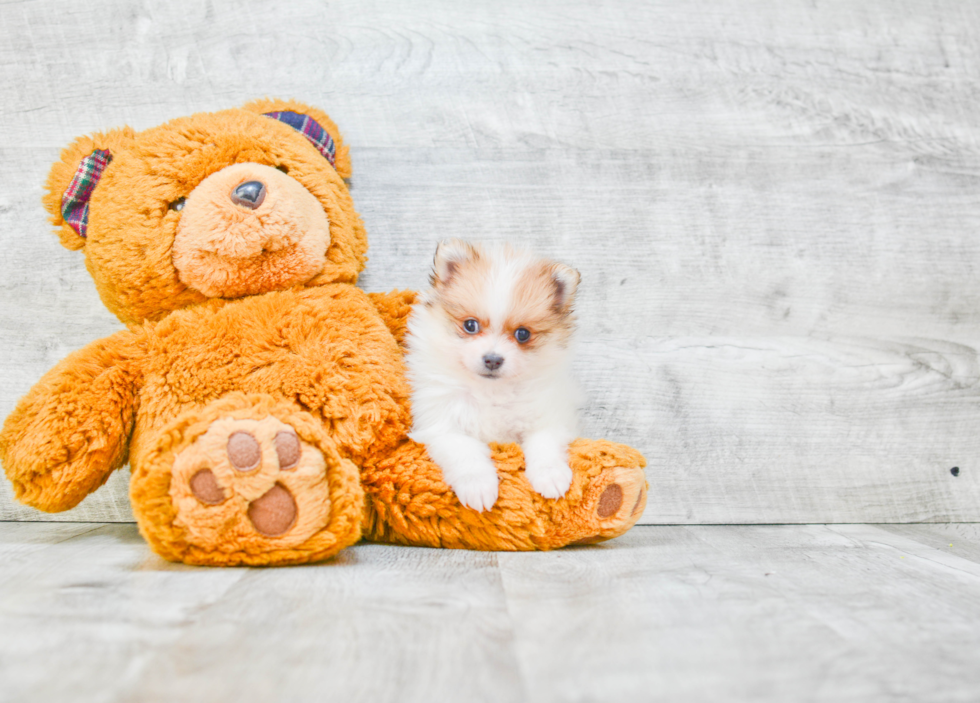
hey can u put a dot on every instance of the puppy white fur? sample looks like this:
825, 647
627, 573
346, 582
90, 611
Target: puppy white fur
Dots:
489, 356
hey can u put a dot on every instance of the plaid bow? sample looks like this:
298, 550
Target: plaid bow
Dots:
74, 203
310, 129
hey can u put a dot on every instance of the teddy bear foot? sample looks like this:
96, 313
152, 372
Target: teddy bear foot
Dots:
617, 507
253, 486
607, 497
241, 476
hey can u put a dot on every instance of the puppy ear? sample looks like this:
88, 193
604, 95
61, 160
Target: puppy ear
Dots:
450, 255
565, 280
73, 179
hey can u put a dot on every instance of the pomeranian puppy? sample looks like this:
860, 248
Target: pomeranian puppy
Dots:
489, 357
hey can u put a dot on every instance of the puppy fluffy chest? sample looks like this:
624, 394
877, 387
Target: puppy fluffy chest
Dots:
501, 413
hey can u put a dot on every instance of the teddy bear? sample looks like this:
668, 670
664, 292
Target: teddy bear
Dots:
258, 395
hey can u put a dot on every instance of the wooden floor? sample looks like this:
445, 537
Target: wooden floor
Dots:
666, 613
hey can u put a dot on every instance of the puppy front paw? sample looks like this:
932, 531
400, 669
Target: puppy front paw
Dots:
466, 467
476, 490
549, 478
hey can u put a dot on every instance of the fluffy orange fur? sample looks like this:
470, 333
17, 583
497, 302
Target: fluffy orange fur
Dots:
216, 347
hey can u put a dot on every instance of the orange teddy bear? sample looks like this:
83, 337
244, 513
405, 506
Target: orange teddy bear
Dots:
258, 394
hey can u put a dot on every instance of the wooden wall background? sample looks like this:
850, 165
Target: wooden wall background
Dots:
775, 206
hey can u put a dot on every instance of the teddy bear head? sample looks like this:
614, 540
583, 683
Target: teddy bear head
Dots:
215, 205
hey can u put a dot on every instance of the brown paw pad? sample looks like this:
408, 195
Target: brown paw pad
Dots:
274, 513
244, 451
288, 449
248, 481
205, 487
610, 501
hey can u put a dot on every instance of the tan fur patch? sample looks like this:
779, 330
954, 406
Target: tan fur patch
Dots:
225, 250
463, 293
542, 305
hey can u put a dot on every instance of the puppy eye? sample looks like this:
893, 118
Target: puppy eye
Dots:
522, 334
177, 205
471, 326
282, 168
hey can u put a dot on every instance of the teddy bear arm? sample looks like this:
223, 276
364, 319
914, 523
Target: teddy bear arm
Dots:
408, 502
72, 428
395, 308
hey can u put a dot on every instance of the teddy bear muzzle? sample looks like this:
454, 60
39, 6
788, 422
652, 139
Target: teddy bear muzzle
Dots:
249, 229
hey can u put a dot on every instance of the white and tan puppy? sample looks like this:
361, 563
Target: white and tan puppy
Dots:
489, 357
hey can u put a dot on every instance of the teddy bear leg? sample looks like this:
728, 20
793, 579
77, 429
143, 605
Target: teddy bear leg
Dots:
246, 480
407, 501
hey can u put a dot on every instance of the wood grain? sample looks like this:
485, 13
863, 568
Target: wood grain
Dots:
119, 624
960, 539
813, 613
703, 613
774, 206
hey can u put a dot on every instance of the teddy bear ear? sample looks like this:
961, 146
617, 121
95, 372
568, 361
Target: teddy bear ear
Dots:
73, 180
312, 123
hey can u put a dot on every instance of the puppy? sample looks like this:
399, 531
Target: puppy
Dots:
489, 360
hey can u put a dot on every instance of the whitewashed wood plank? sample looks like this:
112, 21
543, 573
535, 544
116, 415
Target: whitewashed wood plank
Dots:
118, 624
82, 618
20, 539
816, 613
617, 75
109, 504
772, 430
378, 624
865, 241
961, 539
747, 614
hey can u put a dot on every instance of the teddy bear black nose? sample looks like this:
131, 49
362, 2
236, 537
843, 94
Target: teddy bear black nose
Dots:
249, 194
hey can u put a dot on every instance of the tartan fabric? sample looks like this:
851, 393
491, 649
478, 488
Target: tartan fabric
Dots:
311, 129
74, 203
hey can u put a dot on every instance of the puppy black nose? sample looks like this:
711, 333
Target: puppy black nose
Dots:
493, 361
249, 194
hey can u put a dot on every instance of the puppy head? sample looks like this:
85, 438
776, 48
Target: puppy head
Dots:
506, 313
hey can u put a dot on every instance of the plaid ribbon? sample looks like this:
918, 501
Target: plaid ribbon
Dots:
311, 129
74, 203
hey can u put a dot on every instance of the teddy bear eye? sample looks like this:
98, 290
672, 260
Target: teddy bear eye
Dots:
282, 168
522, 334
471, 326
177, 205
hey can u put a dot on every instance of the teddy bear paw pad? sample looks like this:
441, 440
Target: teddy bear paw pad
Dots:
616, 504
250, 482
